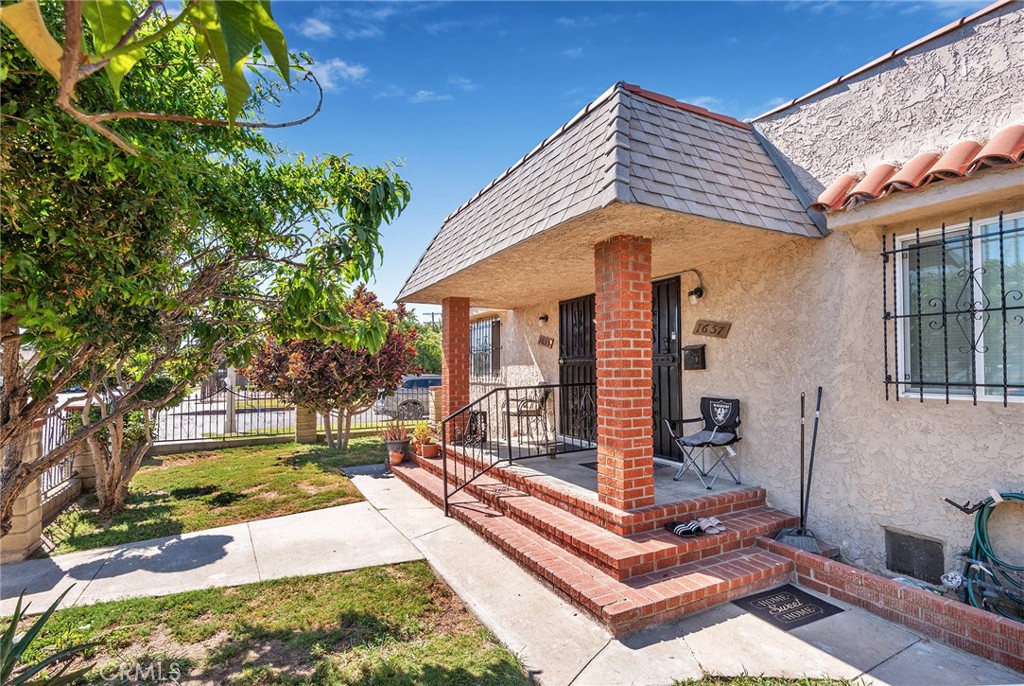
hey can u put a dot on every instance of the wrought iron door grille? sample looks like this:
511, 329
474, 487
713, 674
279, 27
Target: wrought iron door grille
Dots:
954, 311
485, 349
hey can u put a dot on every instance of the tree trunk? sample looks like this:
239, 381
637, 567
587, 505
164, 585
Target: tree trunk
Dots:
117, 463
328, 430
344, 430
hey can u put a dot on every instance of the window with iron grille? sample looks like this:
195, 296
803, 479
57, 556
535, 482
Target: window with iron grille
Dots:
485, 348
954, 311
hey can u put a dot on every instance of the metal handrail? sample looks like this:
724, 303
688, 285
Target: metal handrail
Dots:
497, 409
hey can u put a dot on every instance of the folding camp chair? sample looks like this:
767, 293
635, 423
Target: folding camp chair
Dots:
721, 418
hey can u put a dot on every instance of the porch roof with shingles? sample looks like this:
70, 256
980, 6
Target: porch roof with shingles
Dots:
628, 146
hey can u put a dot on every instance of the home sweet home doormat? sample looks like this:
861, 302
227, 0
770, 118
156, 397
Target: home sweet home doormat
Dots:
787, 607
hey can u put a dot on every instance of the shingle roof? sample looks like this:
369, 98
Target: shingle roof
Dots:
630, 146
1004, 149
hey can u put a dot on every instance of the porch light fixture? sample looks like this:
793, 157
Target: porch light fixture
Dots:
697, 293
543, 319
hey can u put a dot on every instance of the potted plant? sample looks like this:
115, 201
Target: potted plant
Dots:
396, 437
427, 447
396, 457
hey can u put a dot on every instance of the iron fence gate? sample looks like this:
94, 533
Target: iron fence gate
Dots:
224, 414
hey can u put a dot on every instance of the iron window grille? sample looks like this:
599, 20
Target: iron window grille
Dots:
954, 311
485, 349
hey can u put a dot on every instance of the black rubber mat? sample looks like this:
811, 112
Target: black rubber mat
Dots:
787, 607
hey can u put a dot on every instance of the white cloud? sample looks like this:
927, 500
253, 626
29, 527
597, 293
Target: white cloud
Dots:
462, 83
368, 31
389, 91
589, 21
422, 96
334, 73
436, 28
706, 101
315, 29
572, 53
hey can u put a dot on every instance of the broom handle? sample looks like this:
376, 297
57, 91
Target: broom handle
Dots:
814, 444
803, 422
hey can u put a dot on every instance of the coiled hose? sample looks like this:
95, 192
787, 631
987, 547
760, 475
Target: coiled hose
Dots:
985, 568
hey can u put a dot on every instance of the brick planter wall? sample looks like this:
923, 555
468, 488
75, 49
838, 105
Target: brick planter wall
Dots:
625, 461
950, 621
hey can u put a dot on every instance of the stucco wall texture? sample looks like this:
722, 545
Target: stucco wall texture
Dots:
966, 84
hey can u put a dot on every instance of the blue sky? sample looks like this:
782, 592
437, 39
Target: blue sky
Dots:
459, 91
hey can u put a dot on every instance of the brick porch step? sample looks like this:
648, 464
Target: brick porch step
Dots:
619, 522
624, 606
618, 556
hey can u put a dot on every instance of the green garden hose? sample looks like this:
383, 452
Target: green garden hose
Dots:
985, 568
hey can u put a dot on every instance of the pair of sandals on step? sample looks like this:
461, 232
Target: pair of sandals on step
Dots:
696, 527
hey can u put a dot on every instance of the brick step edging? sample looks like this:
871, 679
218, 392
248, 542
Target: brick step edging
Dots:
621, 522
618, 556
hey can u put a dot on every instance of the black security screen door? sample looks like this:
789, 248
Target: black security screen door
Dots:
666, 390
577, 364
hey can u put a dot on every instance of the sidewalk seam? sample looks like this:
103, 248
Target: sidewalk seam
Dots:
898, 652
592, 658
89, 582
252, 545
425, 533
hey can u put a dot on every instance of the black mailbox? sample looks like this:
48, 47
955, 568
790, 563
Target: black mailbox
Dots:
693, 357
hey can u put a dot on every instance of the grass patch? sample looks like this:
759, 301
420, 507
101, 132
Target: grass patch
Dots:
176, 494
747, 680
383, 625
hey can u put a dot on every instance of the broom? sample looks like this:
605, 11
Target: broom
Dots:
801, 537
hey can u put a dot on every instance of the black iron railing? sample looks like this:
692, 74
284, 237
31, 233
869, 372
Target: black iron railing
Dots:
54, 433
954, 311
225, 414
515, 423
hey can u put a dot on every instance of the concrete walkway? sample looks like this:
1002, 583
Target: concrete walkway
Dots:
561, 646
334, 539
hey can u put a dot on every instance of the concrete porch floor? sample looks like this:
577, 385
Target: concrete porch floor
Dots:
567, 473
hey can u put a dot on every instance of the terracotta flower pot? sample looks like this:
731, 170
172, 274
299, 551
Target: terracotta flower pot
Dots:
431, 450
396, 456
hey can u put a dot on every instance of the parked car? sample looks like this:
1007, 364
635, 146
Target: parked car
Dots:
411, 400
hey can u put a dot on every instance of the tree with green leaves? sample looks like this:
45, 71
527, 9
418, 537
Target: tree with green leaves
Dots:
113, 36
428, 347
331, 378
118, 269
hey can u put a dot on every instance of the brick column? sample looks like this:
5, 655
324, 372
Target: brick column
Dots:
454, 354
625, 452
305, 425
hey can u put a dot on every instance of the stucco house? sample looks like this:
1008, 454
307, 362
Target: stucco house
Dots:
867, 237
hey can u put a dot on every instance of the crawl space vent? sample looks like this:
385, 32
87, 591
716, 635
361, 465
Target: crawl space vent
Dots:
914, 556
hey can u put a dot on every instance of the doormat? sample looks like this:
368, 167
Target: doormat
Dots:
787, 607
593, 465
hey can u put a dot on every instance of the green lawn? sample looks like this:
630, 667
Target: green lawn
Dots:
175, 494
397, 625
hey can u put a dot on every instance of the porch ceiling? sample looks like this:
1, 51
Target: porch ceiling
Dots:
559, 264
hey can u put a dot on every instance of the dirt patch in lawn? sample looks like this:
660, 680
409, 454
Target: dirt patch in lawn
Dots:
311, 489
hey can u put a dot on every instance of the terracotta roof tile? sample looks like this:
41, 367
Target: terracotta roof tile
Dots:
1005, 148
833, 197
955, 162
912, 174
